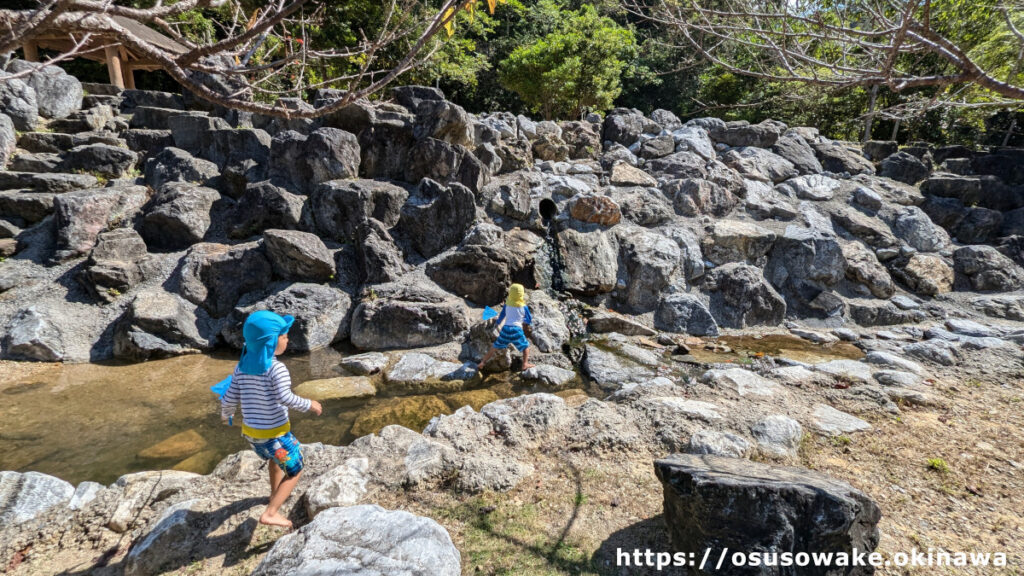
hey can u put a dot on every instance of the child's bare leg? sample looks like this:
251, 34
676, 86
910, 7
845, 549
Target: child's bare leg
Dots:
272, 515
526, 359
487, 358
276, 475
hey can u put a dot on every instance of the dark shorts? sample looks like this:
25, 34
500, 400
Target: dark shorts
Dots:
284, 450
512, 335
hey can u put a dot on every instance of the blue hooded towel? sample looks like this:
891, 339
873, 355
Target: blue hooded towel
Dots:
261, 331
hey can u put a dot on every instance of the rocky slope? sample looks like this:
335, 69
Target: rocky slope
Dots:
135, 229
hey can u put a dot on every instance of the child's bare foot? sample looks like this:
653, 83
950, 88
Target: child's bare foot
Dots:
528, 366
275, 520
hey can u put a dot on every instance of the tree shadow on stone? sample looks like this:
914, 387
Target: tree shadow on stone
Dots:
616, 555
184, 539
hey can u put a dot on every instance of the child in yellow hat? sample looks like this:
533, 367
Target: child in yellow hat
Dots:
514, 315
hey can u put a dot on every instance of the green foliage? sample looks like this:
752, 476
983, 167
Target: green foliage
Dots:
576, 68
938, 464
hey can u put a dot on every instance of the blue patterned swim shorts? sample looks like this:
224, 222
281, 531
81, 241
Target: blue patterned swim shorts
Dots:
284, 450
512, 335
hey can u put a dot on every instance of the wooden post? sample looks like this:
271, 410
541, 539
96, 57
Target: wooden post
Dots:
114, 66
31, 50
129, 76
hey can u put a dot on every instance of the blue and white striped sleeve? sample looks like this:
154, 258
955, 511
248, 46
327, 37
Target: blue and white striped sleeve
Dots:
229, 401
282, 384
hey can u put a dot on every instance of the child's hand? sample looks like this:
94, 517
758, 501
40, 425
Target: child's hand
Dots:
315, 407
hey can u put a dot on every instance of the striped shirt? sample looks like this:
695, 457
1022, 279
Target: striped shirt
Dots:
265, 399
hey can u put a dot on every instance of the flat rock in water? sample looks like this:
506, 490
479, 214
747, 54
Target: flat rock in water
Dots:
365, 541
834, 422
712, 502
366, 363
610, 370
550, 375
603, 322
23, 496
417, 367
743, 382
179, 446
339, 388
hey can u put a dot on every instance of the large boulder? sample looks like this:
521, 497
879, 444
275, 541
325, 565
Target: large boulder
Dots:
216, 276
298, 255
759, 164
837, 157
904, 167
479, 273
321, 316
694, 197
806, 261
114, 264
264, 206
742, 133
985, 269
623, 127
331, 154
82, 215
594, 208
686, 314
364, 540
23, 496
913, 226
58, 94
711, 502
105, 159
863, 266
341, 206
794, 148
178, 216
738, 241
378, 258
176, 165
158, 324
32, 335
741, 297
650, 260
18, 101
590, 261
401, 316
8, 140
437, 217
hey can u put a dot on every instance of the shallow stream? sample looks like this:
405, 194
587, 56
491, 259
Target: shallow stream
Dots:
99, 421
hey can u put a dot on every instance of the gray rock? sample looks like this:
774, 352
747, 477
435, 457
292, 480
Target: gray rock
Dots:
365, 541
365, 363
32, 335
897, 378
650, 261
550, 331
904, 167
762, 202
685, 313
47, 182
742, 133
705, 441
396, 316
925, 274
18, 101
158, 325
109, 161
837, 157
591, 261
759, 164
176, 165
778, 435
623, 128
852, 370
298, 255
609, 370
114, 264
264, 206
58, 94
479, 273
343, 485
321, 316
24, 496
178, 216
694, 139
679, 165
216, 276
480, 473
85, 493
862, 266
711, 502
8, 139
914, 227
741, 297
415, 368
867, 198
742, 382
377, 255
738, 241
437, 217
984, 269
552, 376
693, 197
817, 187
190, 129
331, 154
794, 148
877, 150
833, 422
607, 321
891, 360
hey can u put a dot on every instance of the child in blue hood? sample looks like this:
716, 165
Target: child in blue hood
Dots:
263, 387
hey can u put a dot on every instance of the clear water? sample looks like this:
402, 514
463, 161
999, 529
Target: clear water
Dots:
91, 421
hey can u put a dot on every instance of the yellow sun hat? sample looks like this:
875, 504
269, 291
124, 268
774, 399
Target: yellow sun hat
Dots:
516, 296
